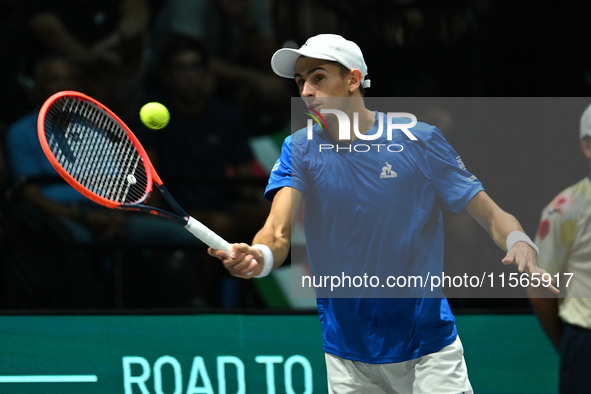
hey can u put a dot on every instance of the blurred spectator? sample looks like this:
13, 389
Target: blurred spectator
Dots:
565, 253
28, 163
203, 155
239, 36
233, 30
56, 258
46, 215
108, 38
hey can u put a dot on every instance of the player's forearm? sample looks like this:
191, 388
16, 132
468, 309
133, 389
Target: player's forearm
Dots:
276, 233
498, 223
277, 240
501, 226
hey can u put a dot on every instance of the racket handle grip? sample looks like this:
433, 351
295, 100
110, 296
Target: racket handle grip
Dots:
210, 238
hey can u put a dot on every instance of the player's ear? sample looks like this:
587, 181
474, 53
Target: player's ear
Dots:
354, 80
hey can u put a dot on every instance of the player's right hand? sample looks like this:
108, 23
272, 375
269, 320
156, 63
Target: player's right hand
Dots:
242, 261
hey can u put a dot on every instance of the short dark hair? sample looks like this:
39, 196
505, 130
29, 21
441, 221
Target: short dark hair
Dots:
177, 43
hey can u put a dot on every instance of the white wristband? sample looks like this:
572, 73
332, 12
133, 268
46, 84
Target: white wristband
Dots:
520, 236
268, 259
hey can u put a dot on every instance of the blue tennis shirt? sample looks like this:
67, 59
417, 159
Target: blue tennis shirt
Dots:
374, 207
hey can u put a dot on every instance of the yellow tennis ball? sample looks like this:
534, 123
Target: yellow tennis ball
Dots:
154, 115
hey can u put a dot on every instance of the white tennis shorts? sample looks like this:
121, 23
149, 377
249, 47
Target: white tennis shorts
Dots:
436, 373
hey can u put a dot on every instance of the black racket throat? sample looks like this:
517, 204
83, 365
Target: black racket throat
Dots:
181, 216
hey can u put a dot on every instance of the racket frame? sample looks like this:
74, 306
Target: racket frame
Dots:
192, 225
151, 175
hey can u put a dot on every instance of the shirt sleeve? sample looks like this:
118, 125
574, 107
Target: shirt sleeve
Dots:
454, 184
281, 171
556, 233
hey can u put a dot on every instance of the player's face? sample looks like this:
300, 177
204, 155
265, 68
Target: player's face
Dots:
317, 78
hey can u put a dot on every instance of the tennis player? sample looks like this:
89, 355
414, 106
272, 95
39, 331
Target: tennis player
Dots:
354, 215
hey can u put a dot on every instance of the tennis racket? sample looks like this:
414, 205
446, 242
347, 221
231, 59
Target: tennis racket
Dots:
98, 155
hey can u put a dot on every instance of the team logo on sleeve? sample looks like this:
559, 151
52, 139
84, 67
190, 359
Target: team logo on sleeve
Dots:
276, 166
463, 168
461, 163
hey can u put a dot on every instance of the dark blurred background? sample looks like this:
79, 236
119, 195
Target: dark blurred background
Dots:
414, 48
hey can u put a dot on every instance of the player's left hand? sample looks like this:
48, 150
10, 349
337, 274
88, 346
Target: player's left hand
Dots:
525, 257
241, 261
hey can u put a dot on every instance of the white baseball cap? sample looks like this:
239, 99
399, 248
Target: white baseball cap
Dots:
586, 123
323, 46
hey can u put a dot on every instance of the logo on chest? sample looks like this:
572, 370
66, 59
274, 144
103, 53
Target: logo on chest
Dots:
387, 171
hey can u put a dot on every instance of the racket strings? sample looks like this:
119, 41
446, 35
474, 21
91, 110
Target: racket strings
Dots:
95, 150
